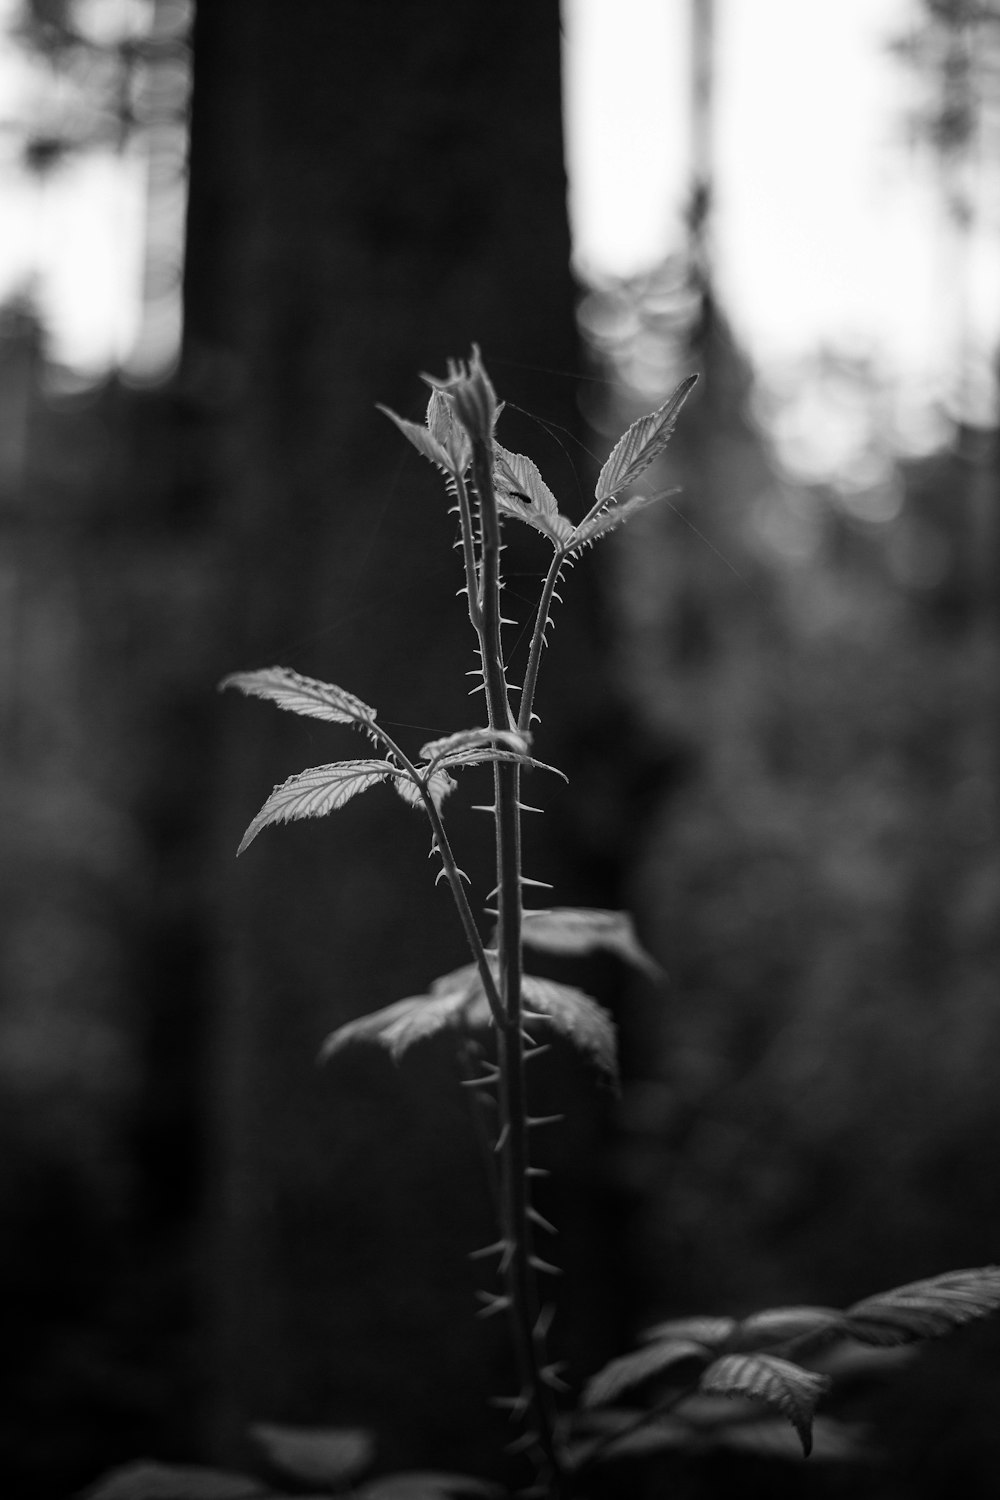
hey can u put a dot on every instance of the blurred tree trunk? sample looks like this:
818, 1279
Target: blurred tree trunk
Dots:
371, 190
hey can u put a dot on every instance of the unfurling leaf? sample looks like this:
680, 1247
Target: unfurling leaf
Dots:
152, 1481
474, 739
316, 792
439, 784
925, 1309
644, 441
316, 1455
421, 439
302, 695
574, 1015
581, 929
448, 432
679, 1360
457, 999
777, 1383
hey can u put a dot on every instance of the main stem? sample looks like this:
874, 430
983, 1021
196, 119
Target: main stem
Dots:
520, 1280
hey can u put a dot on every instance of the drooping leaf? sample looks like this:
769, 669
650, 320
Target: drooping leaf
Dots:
439, 784
316, 792
580, 929
474, 739
421, 1484
454, 999
644, 441
714, 1333
422, 440
574, 1015
776, 1325
775, 1382
832, 1441
925, 1309
152, 1481
302, 695
679, 1360
316, 1455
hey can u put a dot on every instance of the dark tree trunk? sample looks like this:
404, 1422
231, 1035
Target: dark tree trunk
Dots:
373, 187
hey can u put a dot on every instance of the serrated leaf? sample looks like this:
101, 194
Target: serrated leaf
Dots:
714, 1333
439, 784
925, 1309
302, 695
316, 792
777, 1383
316, 1455
428, 1484
574, 1015
580, 929
615, 515
656, 1435
454, 999
422, 440
644, 441
448, 432
776, 1325
474, 739
559, 529
680, 1360
517, 476
152, 1481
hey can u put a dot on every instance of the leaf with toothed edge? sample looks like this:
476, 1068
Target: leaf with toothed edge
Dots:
516, 475
153, 1481
679, 1360
422, 440
644, 441
925, 1309
316, 792
302, 695
580, 929
474, 739
439, 784
456, 999
775, 1382
574, 1015
448, 432
615, 515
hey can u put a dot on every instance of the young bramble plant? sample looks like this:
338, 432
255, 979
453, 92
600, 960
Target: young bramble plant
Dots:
697, 1383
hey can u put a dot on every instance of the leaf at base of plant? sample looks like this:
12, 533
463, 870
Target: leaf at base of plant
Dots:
316, 1455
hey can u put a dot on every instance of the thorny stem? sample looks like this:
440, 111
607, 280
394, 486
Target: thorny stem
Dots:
512, 1144
526, 706
452, 872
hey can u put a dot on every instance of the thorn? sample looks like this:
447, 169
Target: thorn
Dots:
497, 1248
542, 885
550, 1375
516, 1405
538, 1264
539, 1050
524, 1444
491, 1305
532, 1120
501, 1140
442, 874
526, 807
505, 621
537, 1172
541, 1221
487, 807
544, 1321
479, 1083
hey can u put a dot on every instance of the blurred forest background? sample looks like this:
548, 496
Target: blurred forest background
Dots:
777, 701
